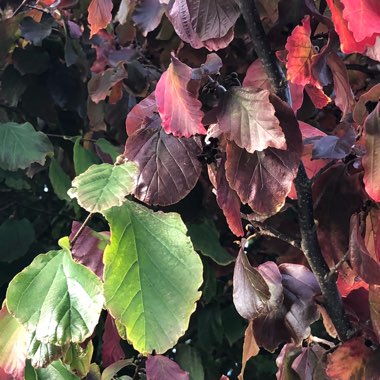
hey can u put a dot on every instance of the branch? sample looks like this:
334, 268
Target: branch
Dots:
81, 229
309, 241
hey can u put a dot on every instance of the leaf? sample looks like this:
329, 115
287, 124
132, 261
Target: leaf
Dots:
210, 67
9, 33
83, 158
205, 238
257, 77
309, 363
104, 186
168, 166
365, 266
88, 248
59, 180
34, 31
142, 290
21, 146
56, 370
160, 367
12, 345
147, 15
300, 53
99, 15
111, 349
344, 97
374, 307
189, 359
334, 147
348, 44
67, 298
248, 118
348, 361
250, 348
108, 149
79, 358
284, 362
16, 237
226, 198
363, 17
360, 110
251, 293
371, 158
177, 102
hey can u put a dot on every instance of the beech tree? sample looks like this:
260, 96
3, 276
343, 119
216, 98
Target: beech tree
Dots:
190, 189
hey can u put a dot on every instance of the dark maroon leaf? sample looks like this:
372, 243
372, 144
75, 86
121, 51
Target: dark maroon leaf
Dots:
159, 367
250, 290
226, 198
89, 247
364, 265
169, 167
111, 349
147, 15
334, 147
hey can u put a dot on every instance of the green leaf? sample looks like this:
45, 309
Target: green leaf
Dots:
16, 236
83, 158
190, 360
205, 238
151, 276
57, 298
56, 370
113, 369
59, 180
79, 359
104, 186
108, 148
21, 145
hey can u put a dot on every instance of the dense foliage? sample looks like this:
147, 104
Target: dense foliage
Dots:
170, 208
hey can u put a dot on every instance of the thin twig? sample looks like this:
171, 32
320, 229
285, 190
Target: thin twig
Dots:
82, 227
19, 7
315, 339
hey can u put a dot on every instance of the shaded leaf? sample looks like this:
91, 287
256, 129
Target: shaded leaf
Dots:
21, 146
111, 349
189, 359
177, 102
83, 158
31, 60
67, 298
168, 166
371, 158
8, 30
89, 246
12, 345
285, 360
147, 15
374, 308
16, 236
34, 31
104, 186
59, 180
99, 15
142, 290
360, 110
78, 358
248, 118
160, 367
309, 363
211, 67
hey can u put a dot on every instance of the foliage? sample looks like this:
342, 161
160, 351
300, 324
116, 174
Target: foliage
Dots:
150, 226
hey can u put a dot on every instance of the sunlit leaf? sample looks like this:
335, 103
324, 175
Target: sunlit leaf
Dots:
142, 289
178, 103
56, 370
67, 298
110, 372
256, 76
168, 166
250, 348
21, 146
104, 186
160, 367
99, 15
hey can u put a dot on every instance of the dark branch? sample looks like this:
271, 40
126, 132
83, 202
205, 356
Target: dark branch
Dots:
309, 241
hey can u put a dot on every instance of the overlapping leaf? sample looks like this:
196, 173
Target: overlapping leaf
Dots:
248, 118
67, 298
160, 367
360, 110
177, 103
111, 349
168, 166
21, 146
151, 276
103, 186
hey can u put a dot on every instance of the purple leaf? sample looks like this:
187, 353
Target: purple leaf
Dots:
168, 166
111, 349
160, 367
147, 15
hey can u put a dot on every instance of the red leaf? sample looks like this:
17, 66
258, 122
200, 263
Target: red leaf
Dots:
89, 247
250, 290
371, 159
300, 51
168, 166
360, 110
99, 15
226, 198
140, 113
363, 17
344, 98
111, 349
178, 105
348, 44
257, 77
348, 361
317, 96
248, 118
364, 265
159, 367
147, 15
